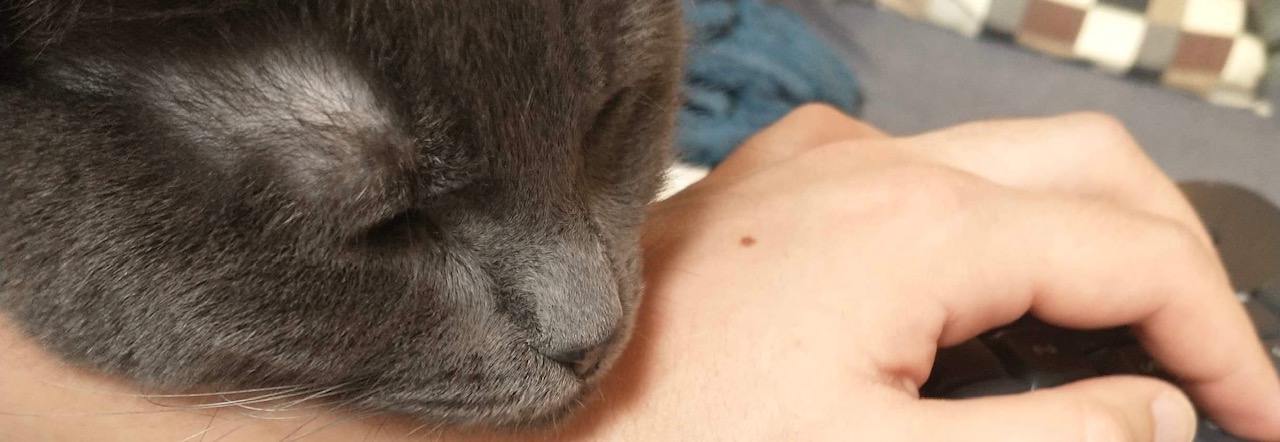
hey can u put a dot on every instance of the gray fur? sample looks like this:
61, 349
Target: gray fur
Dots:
426, 199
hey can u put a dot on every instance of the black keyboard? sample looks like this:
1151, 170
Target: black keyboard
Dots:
1029, 354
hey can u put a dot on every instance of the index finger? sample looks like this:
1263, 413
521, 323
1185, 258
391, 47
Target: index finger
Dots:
1095, 265
1083, 154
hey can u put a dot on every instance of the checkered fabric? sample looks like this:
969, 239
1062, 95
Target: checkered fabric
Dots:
1200, 46
1264, 17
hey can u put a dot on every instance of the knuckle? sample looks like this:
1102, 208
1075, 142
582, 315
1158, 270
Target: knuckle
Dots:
833, 152
935, 192
1094, 421
849, 157
1099, 122
818, 112
781, 134
815, 116
1176, 240
1104, 144
1100, 424
1098, 129
936, 187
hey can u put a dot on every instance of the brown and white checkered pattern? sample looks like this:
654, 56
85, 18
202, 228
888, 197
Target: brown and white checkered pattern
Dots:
1201, 46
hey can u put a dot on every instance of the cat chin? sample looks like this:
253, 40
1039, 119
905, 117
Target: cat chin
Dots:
546, 399
540, 402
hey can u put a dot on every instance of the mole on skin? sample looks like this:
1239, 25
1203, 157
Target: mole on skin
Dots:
748, 241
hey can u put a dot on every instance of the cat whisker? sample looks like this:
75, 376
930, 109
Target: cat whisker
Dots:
205, 432
376, 431
268, 416
200, 434
212, 394
330, 406
321, 393
237, 402
300, 427
294, 405
212, 417
415, 430
233, 430
359, 397
91, 413
331, 425
266, 413
103, 392
272, 394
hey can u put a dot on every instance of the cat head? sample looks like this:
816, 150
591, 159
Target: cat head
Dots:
432, 207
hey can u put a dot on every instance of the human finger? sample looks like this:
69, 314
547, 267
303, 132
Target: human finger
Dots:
1084, 264
1086, 154
1101, 409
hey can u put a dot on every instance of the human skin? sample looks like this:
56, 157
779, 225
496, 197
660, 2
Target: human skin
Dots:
801, 290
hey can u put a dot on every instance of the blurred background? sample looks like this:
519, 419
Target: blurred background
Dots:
1195, 81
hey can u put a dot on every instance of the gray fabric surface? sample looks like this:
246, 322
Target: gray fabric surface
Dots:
916, 77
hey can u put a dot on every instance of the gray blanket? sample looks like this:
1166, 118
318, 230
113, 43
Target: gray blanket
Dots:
916, 77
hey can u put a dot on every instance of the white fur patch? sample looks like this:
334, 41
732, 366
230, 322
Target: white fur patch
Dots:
304, 108
681, 176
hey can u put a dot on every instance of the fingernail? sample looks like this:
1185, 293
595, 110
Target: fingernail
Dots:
1175, 419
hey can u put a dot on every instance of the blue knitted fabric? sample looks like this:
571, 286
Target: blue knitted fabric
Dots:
750, 64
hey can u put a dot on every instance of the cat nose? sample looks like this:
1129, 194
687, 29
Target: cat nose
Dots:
576, 309
583, 361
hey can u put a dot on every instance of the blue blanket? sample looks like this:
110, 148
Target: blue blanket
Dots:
750, 64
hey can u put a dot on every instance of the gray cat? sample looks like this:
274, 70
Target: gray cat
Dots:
432, 203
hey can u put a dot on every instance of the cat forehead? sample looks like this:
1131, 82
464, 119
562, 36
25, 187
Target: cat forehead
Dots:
283, 88
297, 83
306, 111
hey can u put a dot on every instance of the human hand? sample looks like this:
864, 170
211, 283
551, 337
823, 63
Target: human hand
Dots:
802, 289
